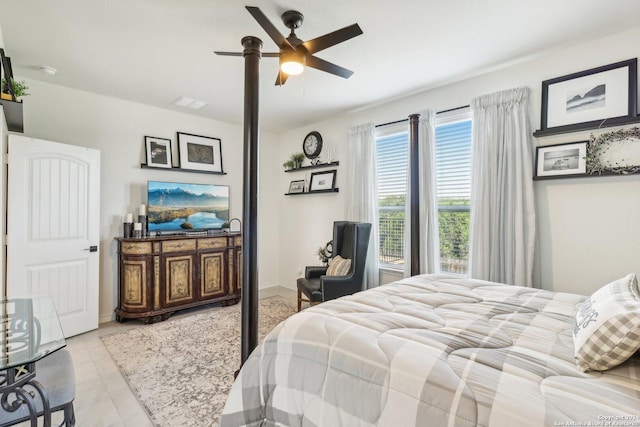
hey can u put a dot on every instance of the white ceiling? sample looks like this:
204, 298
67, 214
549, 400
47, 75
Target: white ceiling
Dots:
155, 51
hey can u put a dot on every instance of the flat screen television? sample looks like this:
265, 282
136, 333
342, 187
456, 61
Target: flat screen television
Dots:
181, 207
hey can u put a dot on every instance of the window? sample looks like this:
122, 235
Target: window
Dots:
453, 162
453, 159
392, 149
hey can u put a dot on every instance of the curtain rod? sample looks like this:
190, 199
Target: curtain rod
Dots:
392, 123
439, 112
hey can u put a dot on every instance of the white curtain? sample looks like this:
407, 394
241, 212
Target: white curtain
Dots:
502, 201
362, 192
429, 238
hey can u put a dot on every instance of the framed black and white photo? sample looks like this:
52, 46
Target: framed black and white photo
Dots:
323, 181
200, 153
296, 187
584, 99
561, 160
158, 152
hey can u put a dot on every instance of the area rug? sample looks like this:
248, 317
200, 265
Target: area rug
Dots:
181, 370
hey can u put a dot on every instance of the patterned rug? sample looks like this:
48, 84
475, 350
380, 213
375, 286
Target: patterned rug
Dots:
181, 370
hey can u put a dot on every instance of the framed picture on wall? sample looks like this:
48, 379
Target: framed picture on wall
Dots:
296, 186
158, 152
323, 181
202, 153
587, 98
561, 160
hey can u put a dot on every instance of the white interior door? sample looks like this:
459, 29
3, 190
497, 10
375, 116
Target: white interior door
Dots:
53, 227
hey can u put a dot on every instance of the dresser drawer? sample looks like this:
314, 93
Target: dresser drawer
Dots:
179, 245
212, 243
136, 248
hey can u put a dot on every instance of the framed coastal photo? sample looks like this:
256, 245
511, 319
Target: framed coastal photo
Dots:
158, 152
584, 99
200, 153
561, 160
323, 180
296, 187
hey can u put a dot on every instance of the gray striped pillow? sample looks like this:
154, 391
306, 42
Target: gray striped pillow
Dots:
607, 326
339, 266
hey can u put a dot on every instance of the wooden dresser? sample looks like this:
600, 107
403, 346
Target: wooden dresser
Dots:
160, 275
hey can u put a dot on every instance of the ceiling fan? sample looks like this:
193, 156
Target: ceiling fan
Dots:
294, 53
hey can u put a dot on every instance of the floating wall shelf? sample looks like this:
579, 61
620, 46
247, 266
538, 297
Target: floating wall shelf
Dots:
318, 166
13, 115
596, 124
177, 169
331, 190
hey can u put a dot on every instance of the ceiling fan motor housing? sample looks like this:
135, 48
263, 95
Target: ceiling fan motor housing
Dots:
292, 19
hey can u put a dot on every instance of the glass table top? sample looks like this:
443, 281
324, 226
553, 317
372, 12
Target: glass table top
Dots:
29, 330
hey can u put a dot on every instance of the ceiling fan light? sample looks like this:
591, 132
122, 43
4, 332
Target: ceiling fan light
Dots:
292, 68
292, 63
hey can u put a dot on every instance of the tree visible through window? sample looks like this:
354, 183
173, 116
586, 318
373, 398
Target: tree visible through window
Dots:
453, 159
392, 151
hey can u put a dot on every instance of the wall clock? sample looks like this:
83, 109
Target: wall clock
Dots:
312, 144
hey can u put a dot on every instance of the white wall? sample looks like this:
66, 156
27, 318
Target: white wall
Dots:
117, 128
588, 229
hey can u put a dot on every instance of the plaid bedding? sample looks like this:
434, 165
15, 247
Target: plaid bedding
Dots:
431, 350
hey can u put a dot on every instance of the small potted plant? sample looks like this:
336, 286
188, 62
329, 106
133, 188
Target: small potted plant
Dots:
297, 159
288, 165
19, 88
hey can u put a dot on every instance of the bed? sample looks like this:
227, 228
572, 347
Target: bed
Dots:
432, 350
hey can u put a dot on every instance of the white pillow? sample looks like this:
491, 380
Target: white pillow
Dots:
339, 266
607, 326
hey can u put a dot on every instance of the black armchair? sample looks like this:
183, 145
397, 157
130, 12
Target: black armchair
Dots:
350, 241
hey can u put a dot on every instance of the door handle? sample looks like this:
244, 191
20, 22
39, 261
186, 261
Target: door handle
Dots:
91, 249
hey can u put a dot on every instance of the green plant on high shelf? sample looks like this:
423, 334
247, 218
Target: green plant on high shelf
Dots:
297, 159
289, 164
19, 88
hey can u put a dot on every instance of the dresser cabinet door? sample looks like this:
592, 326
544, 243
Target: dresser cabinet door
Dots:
136, 294
213, 274
237, 283
178, 279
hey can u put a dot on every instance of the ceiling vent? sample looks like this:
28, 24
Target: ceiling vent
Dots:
194, 104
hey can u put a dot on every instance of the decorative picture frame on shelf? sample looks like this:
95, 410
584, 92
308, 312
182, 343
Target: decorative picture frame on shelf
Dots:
583, 99
158, 152
561, 160
322, 181
201, 153
296, 187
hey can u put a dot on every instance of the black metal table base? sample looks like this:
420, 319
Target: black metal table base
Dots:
18, 387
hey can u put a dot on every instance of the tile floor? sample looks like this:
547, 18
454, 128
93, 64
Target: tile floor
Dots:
103, 397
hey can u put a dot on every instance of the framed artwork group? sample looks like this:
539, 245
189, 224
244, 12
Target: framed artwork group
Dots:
195, 153
590, 99
318, 183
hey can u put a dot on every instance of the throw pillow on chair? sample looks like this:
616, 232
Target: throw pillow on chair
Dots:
339, 266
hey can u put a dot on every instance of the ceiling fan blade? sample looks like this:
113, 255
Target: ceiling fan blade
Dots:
322, 65
332, 39
282, 78
228, 53
271, 54
266, 25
